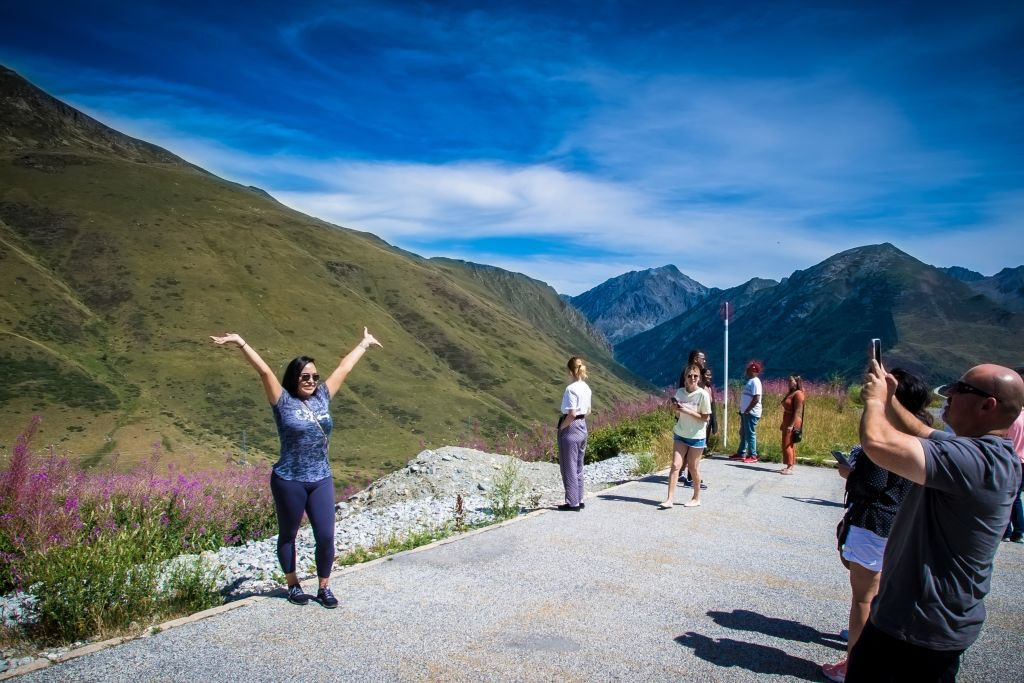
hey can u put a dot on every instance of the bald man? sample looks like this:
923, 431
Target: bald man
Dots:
938, 561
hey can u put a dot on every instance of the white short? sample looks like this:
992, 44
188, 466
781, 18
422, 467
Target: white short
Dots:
865, 548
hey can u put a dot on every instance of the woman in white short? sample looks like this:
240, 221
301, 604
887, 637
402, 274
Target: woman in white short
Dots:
692, 406
873, 497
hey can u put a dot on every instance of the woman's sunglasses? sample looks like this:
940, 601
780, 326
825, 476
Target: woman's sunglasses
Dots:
305, 377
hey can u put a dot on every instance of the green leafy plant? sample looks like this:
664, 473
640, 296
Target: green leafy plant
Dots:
508, 488
645, 464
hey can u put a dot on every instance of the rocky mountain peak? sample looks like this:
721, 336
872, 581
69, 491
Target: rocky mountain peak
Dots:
638, 300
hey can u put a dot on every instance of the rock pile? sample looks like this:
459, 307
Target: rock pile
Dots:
447, 472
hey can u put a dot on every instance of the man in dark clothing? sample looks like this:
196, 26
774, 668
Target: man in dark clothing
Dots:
938, 561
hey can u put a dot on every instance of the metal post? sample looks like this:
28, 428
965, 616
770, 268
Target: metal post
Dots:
725, 386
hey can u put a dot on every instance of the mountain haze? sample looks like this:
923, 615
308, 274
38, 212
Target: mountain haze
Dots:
1005, 287
118, 259
634, 302
818, 321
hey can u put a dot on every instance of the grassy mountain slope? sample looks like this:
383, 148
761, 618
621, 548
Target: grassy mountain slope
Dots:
818, 322
118, 260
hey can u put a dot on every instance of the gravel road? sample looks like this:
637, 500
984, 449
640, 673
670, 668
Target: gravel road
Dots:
744, 587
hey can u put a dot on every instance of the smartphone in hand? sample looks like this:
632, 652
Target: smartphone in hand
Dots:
876, 350
841, 458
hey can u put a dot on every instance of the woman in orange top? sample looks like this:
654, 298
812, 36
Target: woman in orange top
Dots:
792, 418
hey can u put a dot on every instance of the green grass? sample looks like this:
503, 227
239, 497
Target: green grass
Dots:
829, 424
395, 544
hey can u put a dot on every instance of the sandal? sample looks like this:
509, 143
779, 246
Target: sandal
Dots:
665, 505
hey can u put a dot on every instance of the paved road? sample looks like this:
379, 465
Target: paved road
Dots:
745, 587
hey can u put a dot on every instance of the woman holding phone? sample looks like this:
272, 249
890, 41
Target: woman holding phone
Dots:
873, 497
692, 406
300, 480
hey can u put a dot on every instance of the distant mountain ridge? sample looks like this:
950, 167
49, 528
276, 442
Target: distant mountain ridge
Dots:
118, 259
636, 301
1005, 287
818, 321
962, 274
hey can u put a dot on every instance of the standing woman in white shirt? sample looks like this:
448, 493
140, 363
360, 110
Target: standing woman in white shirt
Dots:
692, 406
572, 434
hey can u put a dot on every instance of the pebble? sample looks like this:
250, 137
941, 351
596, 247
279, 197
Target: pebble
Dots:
390, 506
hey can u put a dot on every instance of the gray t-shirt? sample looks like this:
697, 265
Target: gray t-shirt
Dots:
938, 561
303, 443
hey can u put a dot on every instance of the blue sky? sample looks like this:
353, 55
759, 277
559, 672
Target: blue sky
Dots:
576, 141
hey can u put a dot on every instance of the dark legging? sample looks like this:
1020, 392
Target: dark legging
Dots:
316, 499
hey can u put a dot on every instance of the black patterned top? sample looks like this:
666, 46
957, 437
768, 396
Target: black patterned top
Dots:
873, 495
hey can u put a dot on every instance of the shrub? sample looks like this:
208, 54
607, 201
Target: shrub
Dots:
645, 464
631, 435
508, 488
90, 546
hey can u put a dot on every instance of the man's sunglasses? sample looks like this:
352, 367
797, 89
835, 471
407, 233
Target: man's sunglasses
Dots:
305, 377
960, 387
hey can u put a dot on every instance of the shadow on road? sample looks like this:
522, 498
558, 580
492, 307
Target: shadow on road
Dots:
816, 501
630, 499
755, 468
726, 652
746, 620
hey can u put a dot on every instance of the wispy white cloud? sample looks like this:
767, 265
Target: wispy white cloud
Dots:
499, 124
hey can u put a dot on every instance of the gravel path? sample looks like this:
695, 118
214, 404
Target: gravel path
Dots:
745, 586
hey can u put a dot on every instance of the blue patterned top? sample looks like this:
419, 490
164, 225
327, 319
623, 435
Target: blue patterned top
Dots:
303, 444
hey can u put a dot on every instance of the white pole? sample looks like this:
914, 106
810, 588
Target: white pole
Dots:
725, 385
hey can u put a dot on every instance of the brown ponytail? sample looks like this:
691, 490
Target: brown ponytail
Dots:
577, 368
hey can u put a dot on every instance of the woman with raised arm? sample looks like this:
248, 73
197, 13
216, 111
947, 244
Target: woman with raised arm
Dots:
572, 434
692, 406
301, 479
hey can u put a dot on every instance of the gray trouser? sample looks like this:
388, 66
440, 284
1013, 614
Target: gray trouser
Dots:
572, 444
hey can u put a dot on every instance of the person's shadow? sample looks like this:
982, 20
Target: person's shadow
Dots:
629, 499
726, 652
745, 620
816, 501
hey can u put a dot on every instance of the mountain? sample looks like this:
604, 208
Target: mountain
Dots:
818, 323
118, 259
962, 274
1005, 287
629, 304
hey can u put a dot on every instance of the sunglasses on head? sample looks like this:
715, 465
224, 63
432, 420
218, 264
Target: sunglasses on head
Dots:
961, 387
305, 377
